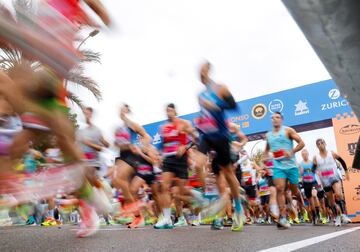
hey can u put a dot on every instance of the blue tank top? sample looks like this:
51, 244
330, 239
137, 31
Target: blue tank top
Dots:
212, 122
280, 142
308, 175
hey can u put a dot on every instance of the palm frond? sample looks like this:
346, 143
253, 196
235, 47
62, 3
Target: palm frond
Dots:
74, 99
91, 56
77, 77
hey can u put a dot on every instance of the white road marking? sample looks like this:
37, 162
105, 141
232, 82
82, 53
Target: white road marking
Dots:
307, 242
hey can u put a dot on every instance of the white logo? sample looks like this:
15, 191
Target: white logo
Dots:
157, 139
334, 105
334, 94
276, 106
301, 108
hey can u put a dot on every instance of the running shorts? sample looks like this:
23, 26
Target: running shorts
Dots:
176, 165
308, 187
292, 175
220, 144
250, 192
264, 200
128, 157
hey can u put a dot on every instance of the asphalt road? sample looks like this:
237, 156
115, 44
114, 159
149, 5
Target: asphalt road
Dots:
118, 238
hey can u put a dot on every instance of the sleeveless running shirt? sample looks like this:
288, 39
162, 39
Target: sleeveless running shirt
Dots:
212, 122
327, 169
172, 138
308, 175
279, 143
125, 135
264, 188
248, 175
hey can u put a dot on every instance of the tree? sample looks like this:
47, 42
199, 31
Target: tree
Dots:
10, 57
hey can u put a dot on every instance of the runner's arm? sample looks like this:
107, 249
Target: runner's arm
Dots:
145, 137
314, 167
343, 164
190, 130
296, 137
240, 135
104, 142
90, 144
99, 9
266, 151
227, 97
301, 169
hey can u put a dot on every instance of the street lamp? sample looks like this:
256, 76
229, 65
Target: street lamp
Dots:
91, 34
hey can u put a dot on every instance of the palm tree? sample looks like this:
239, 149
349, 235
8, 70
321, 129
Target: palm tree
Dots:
11, 57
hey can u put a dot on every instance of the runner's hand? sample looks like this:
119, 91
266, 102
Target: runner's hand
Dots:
181, 151
288, 154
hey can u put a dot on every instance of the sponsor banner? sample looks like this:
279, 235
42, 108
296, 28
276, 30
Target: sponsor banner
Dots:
301, 105
347, 129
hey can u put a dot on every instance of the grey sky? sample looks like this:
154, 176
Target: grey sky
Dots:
153, 54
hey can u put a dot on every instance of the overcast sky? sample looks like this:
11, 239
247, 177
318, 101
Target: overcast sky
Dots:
152, 55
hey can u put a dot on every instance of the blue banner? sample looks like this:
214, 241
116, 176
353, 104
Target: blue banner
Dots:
310, 103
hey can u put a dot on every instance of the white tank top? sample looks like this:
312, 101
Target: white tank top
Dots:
248, 174
327, 168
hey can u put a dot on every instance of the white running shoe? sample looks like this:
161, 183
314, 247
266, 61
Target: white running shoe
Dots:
338, 221
163, 223
345, 219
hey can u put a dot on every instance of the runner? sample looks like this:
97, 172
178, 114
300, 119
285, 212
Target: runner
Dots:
174, 148
309, 184
131, 139
280, 143
91, 142
264, 194
248, 182
214, 135
34, 96
268, 164
325, 165
47, 35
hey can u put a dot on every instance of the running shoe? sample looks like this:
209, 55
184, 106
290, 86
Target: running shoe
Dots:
164, 224
218, 224
306, 216
345, 219
209, 214
283, 223
261, 221
228, 222
195, 223
296, 220
249, 221
274, 217
315, 220
49, 221
138, 222
31, 221
181, 222
89, 220
150, 221
238, 223
337, 221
